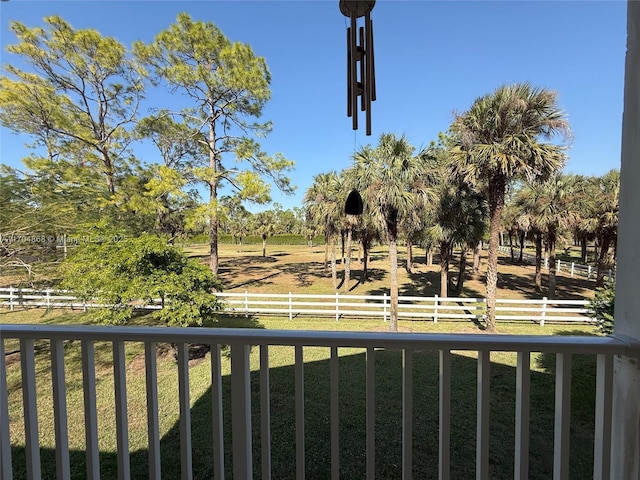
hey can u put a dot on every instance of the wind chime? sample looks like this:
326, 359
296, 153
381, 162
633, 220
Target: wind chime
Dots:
361, 80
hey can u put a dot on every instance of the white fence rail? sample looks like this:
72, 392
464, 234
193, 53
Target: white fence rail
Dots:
242, 445
571, 268
340, 306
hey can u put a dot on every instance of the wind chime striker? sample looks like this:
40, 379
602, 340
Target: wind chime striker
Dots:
361, 81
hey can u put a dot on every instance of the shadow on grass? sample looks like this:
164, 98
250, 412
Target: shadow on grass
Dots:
352, 383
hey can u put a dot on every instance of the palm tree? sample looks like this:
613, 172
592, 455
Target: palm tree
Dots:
324, 208
264, 225
605, 211
393, 181
498, 142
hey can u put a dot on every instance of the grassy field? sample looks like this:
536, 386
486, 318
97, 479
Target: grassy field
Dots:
301, 269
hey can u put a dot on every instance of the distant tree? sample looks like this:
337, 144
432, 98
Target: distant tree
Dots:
498, 142
77, 98
602, 306
134, 271
228, 85
263, 224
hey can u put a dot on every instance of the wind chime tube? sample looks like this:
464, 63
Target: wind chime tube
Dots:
368, 61
371, 56
362, 90
354, 79
349, 80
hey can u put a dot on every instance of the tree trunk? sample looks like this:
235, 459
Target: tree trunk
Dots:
538, 262
497, 186
583, 249
429, 256
342, 244
213, 197
444, 269
462, 271
347, 262
477, 250
393, 264
240, 244
409, 257
602, 258
326, 253
365, 263
264, 246
552, 264
522, 235
511, 247
334, 275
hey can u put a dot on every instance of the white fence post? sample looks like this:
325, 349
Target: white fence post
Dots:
435, 309
337, 307
290, 308
573, 265
246, 304
48, 292
589, 273
11, 298
544, 309
384, 306
546, 262
558, 263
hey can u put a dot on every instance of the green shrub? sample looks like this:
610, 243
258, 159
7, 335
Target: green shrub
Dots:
601, 308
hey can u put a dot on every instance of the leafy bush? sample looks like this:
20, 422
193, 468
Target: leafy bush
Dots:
137, 271
601, 308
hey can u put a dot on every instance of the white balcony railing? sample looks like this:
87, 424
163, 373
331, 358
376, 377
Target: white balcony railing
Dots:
240, 341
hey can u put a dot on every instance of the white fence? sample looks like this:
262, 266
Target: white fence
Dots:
571, 268
338, 306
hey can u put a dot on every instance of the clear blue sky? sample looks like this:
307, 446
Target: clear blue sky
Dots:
433, 58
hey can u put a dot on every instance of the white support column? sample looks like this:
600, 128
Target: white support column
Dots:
625, 442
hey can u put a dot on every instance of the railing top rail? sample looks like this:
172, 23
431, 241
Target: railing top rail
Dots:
430, 341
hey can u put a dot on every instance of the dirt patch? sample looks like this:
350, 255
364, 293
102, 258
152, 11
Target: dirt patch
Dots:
164, 352
11, 358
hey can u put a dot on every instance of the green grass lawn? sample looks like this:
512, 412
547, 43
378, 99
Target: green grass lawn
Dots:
352, 401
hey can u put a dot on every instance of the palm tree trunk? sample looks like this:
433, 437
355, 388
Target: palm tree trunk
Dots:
347, 262
264, 246
409, 257
365, 263
552, 264
393, 264
326, 253
461, 271
429, 256
334, 274
444, 268
477, 250
538, 262
522, 234
497, 186
511, 246
583, 249
602, 259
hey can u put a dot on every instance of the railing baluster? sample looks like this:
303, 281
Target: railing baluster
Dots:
122, 425
371, 412
265, 413
241, 412
523, 390
63, 468
216, 413
186, 463
562, 417
444, 464
335, 414
5, 441
604, 401
153, 429
407, 414
32, 447
90, 409
299, 399
482, 429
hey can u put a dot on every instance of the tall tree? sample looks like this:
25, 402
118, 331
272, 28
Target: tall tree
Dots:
78, 98
605, 212
263, 224
228, 86
394, 186
499, 142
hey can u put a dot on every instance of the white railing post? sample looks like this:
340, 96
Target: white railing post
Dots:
544, 310
290, 308
337, 306
572, 268
5, 442
11, 298
384, 306
246, 304
241, 412
435, 309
